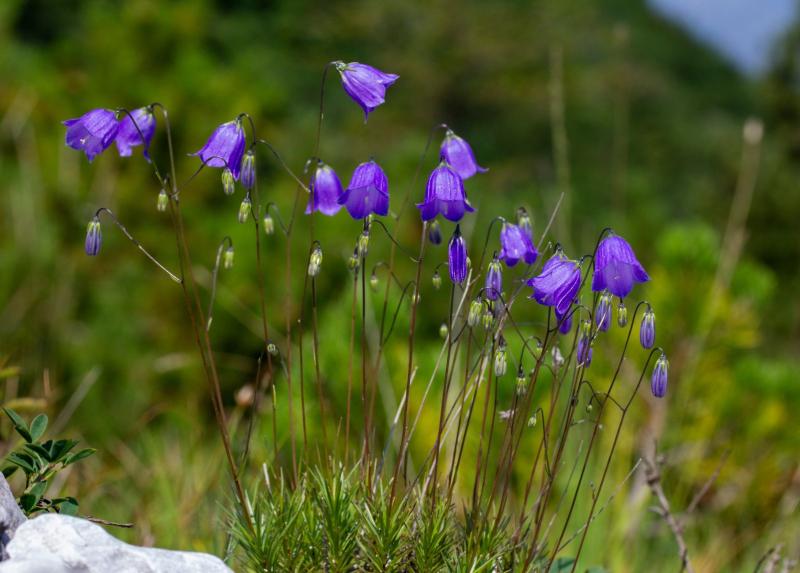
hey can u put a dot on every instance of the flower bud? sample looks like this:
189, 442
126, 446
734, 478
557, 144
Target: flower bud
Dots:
558, 358
584, 353
622, 314
647, 331
475, 312
487, 320
524, 221
227, 181
162, 201
435, 232
500, 359
244, 209
521, 382
494, 280
443, 330
363, 243
248, 175
269, 224
227, 258
315, 261
272, 348
353, 263
437, 280
602, 315
658, 383
94, 237
532, 421
373, 281
589, 407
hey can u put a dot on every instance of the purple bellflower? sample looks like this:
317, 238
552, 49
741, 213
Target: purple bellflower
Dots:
616, 267
367, 193
584, 352
516, 244
94, 237
557, 284
602, 315
494, 280
141, 123
365, 85
444, 194
647, 331
658, 382
325, 191
565, 322
459, 155
457, 257
92, 132
225, 148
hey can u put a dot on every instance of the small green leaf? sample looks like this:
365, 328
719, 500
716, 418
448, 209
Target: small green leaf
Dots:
19, 424
60, 448
562, 564
69, 507
38, 490
22, 460
27, 502
9, 471
39, 450
38, 426
72, 458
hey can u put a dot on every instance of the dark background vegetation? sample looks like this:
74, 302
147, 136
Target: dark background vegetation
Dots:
654, 126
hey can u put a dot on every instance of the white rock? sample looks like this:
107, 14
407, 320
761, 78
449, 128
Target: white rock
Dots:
55, 543
11, 516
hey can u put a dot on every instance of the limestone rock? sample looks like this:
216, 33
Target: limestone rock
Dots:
11, 516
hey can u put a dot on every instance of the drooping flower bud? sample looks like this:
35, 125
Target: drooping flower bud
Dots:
521, 382
524, 222
622, 314
532, 421
443, 330
436, 280
435, 233
227, 258
354, 262
475, 312
94, 237
227, 181
584, 352
658, 382
558, 358
363, 243
602, 316
244, 209
373, 281
487, 320
162, 201
647, 331
494, 280
248, 176
564, 323
457, 257
500, 359
269, 224
315, 261
272, 349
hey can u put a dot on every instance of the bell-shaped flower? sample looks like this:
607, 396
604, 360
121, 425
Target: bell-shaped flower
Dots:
92, 132
558, 283
459, 155
494, 280
658, 382
457, 257
325, 191
94, 237
444, 194
367, 193
365, 84
616, 267
225, 148
136, 128
647, 330
516, 245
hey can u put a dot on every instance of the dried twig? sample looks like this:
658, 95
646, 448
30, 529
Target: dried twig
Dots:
653, 478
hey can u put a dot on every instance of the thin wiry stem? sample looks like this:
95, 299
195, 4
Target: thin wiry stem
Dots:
214, 274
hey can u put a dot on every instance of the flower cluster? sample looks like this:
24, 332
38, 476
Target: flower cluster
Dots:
96, 130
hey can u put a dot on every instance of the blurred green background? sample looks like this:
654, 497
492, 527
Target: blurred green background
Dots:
653, 121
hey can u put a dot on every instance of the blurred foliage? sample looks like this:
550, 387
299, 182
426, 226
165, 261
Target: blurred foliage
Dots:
654, 125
